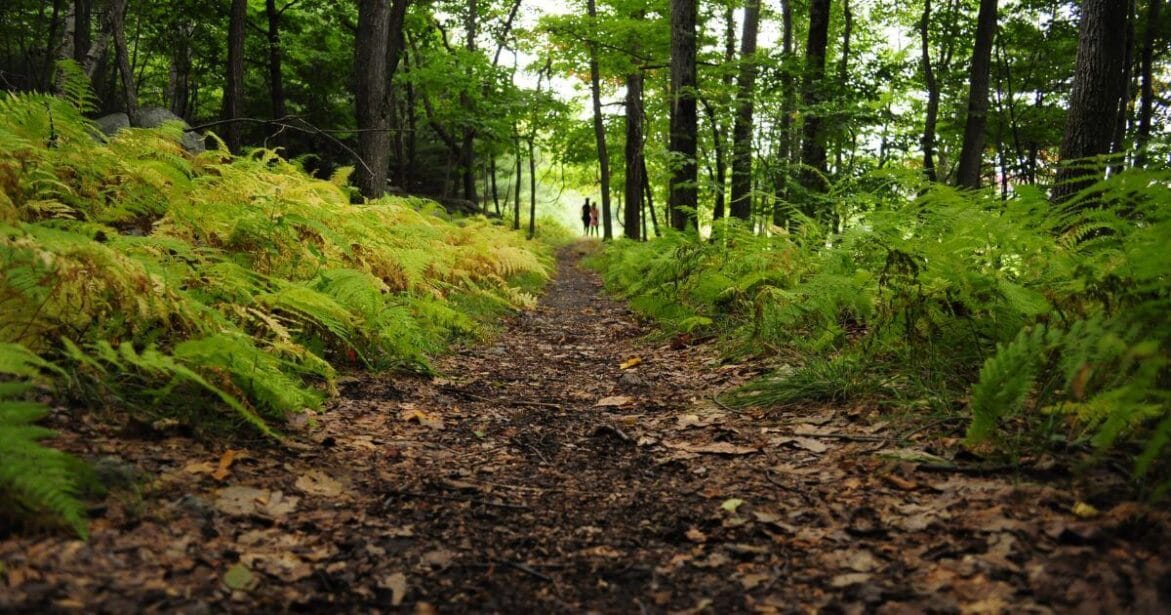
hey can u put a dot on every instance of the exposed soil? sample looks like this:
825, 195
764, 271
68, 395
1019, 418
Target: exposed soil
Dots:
536, 474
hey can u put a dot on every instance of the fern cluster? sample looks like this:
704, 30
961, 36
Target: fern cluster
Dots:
1054, 319
223, 287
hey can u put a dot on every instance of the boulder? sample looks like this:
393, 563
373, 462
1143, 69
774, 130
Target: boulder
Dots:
151, 117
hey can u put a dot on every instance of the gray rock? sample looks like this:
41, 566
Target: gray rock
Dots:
110, 124
631, 380
195, 506
150, 117
115, 472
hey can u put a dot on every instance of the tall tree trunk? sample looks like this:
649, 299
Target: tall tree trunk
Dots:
1147, 89
634, 177
972, 152
378, 44
788, 108
519, 183
932, 95
599, 126
682, 199
650, 194
82, 29
233, 107
1126, 94
813, 157
719, 126
495, 193
741, 206
468, 144
843, 83
129, 87
276, 83
532, 188
1095, 96
179, 73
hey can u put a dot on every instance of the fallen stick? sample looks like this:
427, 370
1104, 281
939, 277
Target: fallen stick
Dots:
439, 496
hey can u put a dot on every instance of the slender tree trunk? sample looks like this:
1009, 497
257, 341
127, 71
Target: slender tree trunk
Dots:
129, 87
82, 27
1095, 96
634, 177
650, 195
813, 156
519, 183
843, 83
972, 152
276, 83
495, 193
682, 199
233, 107
1147, 89
468, 145
788, 108
719, 126
378, 45
532, 188
599, 126
742, 130
1126, 94
932, 95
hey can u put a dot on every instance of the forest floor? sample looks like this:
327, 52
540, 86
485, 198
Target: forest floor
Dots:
536, 474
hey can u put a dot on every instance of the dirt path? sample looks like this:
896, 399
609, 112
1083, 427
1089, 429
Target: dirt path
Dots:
504, 486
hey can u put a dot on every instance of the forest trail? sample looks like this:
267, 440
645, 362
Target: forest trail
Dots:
536, 474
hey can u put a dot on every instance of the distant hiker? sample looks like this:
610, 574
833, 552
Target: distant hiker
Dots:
594, 219
585, 216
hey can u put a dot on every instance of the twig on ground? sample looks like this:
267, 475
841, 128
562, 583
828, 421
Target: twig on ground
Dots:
440, 496
951, 419
960, 469
525, 568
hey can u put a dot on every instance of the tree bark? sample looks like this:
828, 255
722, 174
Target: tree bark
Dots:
519, 183
373, 53
634, 176
276, 83
532, 188
82, 25
682, 197
741, 206
1095, 95
233, 104
1146, 88
129, 87
650, 195
813, 156
972, 152
468, 144
599, 125
718, 125
929, 123
788, 108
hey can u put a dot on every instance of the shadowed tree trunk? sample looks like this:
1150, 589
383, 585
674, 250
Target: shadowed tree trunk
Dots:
468, 144
634, 176
1095, 96
932, 95
378, 46
719, 125
129, 87
972, 152
788, 108
682, 197
742, 130
1146, 87
532, 187
276, 83
813, 157
233, 107
599, 126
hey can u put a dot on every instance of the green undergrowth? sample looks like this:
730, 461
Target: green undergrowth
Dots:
219, 291
1045, 327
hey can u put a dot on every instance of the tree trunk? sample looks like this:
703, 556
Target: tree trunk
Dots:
1095, 95
129, 87
233, 106
842, 82
495, 193
682, 199
1125, 95
370, 94
276, 83
813, 157
1147, 89
788, 108
932, 95
650, 195
532, 188
519, 183
634, 177
599, 126
972, 152
468, 145
742, 130
82, 26
719, 126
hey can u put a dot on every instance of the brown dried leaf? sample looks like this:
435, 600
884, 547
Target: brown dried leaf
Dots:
316, 482
713, 448
614, 401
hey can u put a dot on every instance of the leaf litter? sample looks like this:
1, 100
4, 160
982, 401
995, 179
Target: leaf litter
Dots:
451, 495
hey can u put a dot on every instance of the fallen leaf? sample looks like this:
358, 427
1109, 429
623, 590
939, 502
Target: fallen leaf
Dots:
414, 415
811, 445
614, 401
1085, 511
694, 535
221, 471
397, 584
284, 566
731, 504
316, 482
240, 578
602, 551
439, 558
846, 580
752, 580
239, 500
713, 448
629, 363
199, 467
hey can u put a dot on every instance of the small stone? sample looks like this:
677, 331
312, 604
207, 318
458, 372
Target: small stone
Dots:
114, 472
631, 379
195, 506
